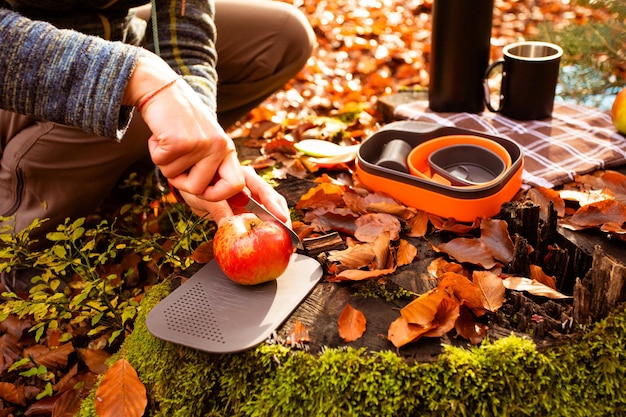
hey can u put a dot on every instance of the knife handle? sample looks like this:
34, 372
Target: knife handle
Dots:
239, 200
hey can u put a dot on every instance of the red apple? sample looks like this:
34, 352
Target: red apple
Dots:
618, 111
250, 251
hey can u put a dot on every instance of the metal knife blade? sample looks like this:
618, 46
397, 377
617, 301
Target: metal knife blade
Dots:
248, 203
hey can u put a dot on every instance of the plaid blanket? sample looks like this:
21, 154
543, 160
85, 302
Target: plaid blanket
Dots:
576, 140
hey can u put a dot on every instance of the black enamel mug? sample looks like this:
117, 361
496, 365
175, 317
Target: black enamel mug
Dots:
530, 72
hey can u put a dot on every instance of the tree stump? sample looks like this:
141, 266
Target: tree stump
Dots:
595, 279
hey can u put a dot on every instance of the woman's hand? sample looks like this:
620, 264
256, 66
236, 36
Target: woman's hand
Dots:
190, 147
260, 190
187, 143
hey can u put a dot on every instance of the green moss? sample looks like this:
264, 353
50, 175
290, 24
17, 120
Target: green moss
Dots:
377, 289
508, 377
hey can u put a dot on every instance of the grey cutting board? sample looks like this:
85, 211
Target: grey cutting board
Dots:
209, 312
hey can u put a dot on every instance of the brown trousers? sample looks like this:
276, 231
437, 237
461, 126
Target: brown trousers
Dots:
48, 170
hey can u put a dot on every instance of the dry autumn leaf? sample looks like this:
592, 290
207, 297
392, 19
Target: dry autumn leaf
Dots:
469, 328
445, 319
494, 234
406, 253
544, 196
532, 287
606, 180
465, 291
369, 226
351, 324
439, 266
95, 359
299, 333
401, 332
324, 195
537, 274
468, 250
596, 214
491, 287
423, 309
121, 393
50, 358
12, 393
360, 275
203, 253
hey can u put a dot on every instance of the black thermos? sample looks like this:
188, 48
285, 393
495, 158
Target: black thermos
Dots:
461, 34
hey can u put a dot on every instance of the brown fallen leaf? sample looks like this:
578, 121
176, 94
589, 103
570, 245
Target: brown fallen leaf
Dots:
544, 196
95, 359
203, 253
299, 333
468, 250
351, 324
492, 289
369, 226
360, 274
406, 253
532, 287
423, 309
445, 319
469, 328
50, 358
121, 393
537, 274
401, 332
12, 393
440, 265
325, 195
494, 234
465, 291
596, 214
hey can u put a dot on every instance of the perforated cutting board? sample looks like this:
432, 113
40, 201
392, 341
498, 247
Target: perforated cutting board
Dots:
210, 312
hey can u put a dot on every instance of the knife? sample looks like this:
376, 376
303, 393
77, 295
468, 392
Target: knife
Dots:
247, 202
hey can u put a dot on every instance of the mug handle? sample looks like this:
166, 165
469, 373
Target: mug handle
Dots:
488, 91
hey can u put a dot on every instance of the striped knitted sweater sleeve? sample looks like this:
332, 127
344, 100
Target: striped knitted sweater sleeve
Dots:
65, 76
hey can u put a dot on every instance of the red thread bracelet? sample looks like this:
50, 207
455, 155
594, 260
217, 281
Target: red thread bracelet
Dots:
154, 93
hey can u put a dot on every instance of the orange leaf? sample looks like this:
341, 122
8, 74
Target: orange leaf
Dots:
360, 275
299, 333
491, 287
401, 332
50, 358
464, 290
203, 253
371, 225
544, 196
322, 195
468, 328
95, 359
354, 257
469, 250
533, 287
451, 225
423, 309
406, 253
13, 394
447, 314
494, 234
418, 224
121, 393
536, 273
596, 214
439, 266
351, 324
